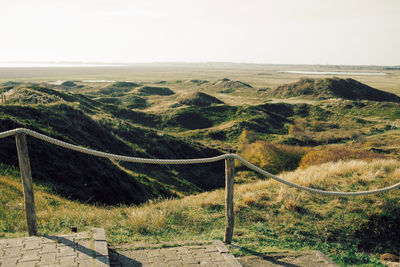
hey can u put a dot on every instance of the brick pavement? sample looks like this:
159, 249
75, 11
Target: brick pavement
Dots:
90, 249
200, 253
294, 259
77, 249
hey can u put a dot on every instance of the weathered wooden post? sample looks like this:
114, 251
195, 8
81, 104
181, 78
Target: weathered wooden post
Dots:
229, 212
26, 177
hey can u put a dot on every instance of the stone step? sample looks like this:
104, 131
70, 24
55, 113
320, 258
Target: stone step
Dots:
76, 249
186, 253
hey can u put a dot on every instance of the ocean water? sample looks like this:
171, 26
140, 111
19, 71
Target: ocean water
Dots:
55, 65
334, 72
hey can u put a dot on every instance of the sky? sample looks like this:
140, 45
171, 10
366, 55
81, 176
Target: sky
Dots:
339, 32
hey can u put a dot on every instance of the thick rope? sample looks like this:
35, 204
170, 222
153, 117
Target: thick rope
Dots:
313, 190
109, 155
188, 161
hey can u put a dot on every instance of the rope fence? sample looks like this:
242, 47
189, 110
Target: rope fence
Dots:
23, 157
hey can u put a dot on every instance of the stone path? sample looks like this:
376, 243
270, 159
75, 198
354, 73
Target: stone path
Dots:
200, 253
87, 249
289, 259
78, 249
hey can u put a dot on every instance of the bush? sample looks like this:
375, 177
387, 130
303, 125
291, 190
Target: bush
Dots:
272, 157
69, 84
335, 154
152, 90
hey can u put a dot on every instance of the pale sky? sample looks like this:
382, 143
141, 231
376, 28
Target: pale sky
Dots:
359, 32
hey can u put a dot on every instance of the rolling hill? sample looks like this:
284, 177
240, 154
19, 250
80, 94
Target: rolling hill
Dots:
332, 88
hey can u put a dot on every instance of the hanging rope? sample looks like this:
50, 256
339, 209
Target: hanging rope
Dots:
188, 161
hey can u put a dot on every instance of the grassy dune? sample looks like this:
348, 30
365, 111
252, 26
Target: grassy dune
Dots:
197, 110
269, 216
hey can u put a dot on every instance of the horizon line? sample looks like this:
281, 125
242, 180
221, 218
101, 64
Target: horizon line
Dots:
189, 62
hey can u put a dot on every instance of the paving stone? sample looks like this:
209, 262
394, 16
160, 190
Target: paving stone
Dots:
154, 253
9, 261
138, 254
62, 250
101, 248
83, 235
30, 253
65, 260
158, 260
174, 263
34, 244
84, 256
67, 236
216, 256
102, 261
12, 252
301, 259
86, 263
48, 248
188, 259
49, 258
49, 240
204, 259
182, 254
67, 251
84, 243
182, 250
17, 242
211, 249
99, 234
28, 264
170, 255
65, 242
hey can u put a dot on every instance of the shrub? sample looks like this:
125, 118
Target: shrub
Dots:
152, 90
69, 84
335, 154
272, 157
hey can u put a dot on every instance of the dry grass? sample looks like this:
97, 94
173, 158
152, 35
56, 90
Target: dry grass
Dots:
268, 213
274, 158
54, 213
336, 153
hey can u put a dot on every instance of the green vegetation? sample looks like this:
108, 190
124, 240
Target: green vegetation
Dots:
227, 83
199, 99
333, 88
69, 84
91, 176
133, 101
152, 90
117, 88
332, 134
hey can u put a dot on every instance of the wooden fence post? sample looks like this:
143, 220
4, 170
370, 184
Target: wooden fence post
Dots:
229, 212
26, 178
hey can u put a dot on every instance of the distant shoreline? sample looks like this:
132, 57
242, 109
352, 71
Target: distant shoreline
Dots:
334, 72
57, 65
